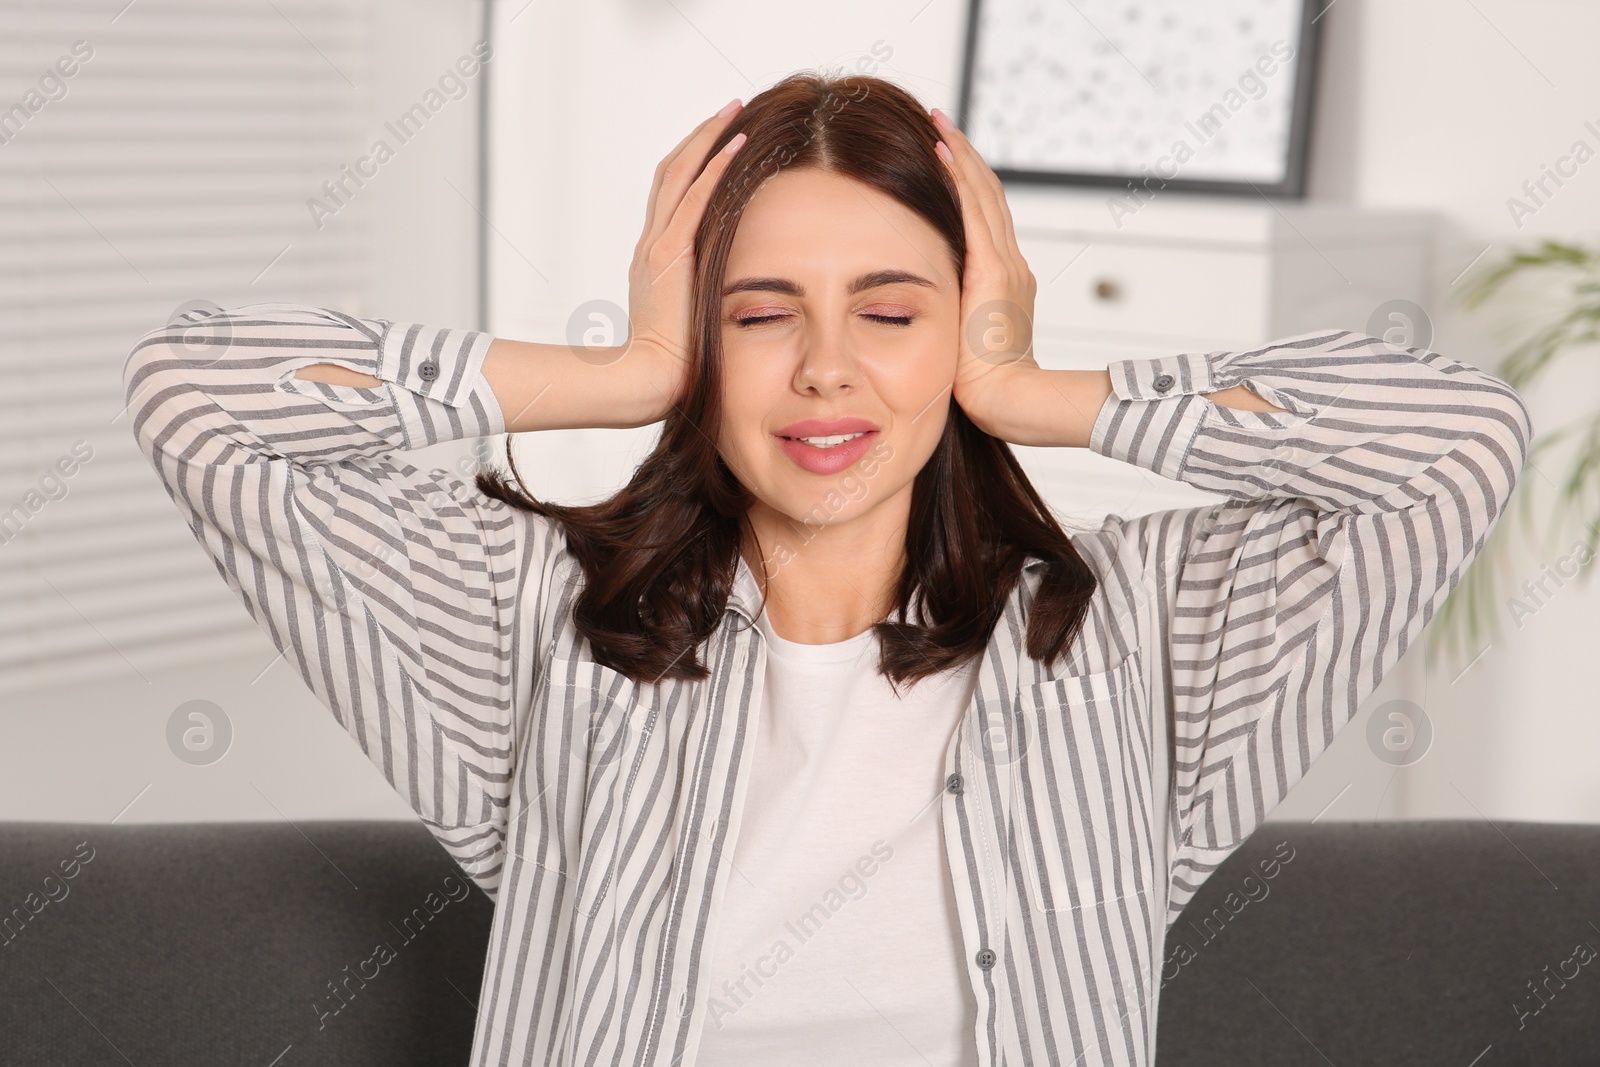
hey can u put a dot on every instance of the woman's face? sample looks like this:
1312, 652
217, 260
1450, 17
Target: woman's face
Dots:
840, 311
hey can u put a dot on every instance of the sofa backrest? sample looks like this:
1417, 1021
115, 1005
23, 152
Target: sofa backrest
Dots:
349, 943
357, 943
1421, 942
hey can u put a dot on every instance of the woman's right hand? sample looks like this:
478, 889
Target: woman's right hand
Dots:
662, 274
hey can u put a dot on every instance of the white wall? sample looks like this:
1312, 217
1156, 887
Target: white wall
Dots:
97, 751
1429, 104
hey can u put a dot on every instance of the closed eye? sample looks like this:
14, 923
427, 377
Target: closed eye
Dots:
890, 320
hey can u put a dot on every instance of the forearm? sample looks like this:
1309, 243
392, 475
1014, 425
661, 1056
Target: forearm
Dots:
227, 378
1365, 426
1058, 408
553, 386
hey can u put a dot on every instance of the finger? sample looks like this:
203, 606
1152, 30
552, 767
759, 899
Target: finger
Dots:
981, 253
983, 236
676, 173
997, 212
1002, 208
989, 190
678, 236
980, 236
653, 199
968, 161
983, 248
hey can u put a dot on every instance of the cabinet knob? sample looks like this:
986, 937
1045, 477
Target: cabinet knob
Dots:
1107, 289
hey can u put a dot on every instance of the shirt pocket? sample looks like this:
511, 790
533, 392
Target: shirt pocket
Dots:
609, 716
1082, 804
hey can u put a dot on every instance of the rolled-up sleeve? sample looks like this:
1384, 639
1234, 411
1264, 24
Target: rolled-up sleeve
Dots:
1349, 517
394, 592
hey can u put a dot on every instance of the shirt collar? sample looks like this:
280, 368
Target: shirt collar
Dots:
745, 597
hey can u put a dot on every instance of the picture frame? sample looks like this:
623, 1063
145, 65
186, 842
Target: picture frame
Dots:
1144, 93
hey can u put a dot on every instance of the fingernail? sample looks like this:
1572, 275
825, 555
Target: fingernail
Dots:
729, 108
940, 117
733, 143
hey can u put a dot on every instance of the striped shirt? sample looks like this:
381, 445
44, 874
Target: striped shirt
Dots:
1086, 798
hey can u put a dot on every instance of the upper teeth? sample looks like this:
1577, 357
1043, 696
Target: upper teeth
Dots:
829, 442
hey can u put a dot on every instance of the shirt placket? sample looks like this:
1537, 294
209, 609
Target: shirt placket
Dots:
975, 801
742, 646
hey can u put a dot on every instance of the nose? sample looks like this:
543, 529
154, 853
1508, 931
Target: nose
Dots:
827, 363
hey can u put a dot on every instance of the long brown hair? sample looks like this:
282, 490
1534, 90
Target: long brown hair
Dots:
660, 556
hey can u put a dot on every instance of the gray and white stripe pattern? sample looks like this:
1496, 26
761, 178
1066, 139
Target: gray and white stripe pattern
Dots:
1089, 797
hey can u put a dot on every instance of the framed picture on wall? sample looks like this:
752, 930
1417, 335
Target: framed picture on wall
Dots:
1153, 94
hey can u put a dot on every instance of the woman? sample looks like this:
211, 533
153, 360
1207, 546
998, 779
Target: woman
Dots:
820, 738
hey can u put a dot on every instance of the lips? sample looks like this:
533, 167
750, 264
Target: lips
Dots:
831, 459
826, 427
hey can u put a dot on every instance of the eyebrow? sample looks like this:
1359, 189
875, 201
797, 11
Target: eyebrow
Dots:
870, 280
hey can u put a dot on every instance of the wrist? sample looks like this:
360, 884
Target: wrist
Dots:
651, 377
1048, 408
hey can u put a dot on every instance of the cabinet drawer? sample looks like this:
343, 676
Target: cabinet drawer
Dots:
1218, 296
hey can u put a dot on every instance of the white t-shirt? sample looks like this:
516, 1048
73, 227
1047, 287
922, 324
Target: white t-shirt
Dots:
838, 940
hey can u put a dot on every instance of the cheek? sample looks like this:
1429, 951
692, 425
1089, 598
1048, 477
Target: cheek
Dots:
918, 388
748, 368
922, 410
750, 391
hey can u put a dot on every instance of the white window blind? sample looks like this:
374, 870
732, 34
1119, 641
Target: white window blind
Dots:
174, 164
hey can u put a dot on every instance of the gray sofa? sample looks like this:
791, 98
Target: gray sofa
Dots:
355, 943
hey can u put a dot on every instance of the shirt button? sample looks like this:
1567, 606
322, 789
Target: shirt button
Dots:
1163, 382
428, 371
953, 783
986, 958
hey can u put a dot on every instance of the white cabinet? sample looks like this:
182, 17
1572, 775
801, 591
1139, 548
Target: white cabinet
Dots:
1188, 273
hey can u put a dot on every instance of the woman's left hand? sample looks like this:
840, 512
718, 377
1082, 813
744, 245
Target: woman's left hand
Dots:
996, 365
998, 382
